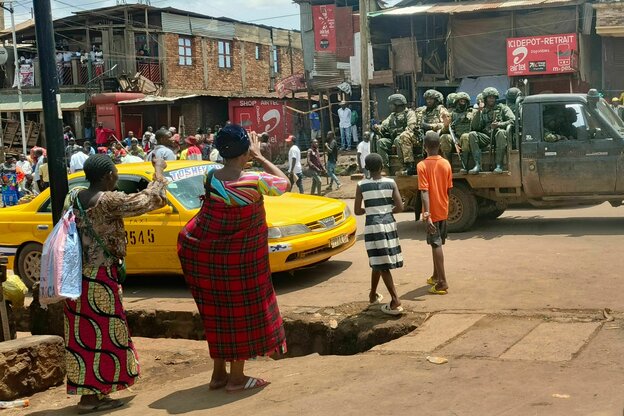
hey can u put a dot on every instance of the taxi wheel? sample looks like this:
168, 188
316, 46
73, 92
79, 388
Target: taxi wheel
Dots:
29, 264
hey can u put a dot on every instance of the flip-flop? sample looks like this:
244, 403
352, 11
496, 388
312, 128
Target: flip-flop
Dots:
378, 299
431, 281
389, 311
435, 291
252, 383
109, 404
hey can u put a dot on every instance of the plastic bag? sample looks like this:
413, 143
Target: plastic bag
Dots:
14, 290
61, 262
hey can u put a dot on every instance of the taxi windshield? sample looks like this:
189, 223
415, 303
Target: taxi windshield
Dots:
187, 184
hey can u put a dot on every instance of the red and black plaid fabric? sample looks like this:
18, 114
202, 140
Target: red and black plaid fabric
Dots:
225, 259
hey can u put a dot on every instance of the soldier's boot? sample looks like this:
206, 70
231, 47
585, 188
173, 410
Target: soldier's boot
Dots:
464, 157
500, 157
477, 166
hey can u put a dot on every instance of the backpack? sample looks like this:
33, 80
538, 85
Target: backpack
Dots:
61, 262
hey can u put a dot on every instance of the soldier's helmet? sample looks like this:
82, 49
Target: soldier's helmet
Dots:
451, 99
462, 96
512, 93
436, 95
397, 99
489, 92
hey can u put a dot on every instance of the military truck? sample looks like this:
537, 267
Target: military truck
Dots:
585, 167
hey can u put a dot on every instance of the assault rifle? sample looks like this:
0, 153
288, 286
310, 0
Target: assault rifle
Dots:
457, 147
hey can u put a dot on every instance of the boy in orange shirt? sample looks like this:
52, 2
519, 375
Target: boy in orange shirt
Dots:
435, 180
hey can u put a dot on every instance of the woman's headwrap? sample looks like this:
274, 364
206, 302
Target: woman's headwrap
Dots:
232, 141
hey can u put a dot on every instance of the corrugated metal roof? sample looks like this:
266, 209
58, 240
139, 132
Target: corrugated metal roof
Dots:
473, 6
156, 100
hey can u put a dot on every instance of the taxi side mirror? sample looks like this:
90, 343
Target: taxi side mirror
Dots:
166, 210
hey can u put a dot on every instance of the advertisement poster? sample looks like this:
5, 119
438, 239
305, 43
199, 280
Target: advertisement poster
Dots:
324, 28
261, 116
542, 55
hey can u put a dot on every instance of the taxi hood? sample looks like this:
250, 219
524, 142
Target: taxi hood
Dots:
299, 209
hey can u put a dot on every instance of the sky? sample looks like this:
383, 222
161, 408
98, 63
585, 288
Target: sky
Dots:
280, 13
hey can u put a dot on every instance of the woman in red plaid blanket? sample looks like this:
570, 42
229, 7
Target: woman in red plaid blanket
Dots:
225, 259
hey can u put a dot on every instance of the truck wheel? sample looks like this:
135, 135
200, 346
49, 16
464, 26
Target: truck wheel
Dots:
28, 264
463, 209
491, 210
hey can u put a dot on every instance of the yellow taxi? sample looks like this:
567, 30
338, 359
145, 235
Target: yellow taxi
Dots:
303, 229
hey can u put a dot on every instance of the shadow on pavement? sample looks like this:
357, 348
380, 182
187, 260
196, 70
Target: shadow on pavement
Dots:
416, 294
198, 398
308, 277
73, 410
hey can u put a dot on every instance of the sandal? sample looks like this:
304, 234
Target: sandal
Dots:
105, 404
252, 383
378, 299
435, 291
389, 311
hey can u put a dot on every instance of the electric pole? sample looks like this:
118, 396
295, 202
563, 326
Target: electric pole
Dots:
364, 65
50, 100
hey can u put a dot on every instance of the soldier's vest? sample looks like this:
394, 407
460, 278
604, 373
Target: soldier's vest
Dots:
397, 123
488, 116
431, 116
461, 121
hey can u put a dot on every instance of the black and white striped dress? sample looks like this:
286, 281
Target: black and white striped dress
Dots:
380, 234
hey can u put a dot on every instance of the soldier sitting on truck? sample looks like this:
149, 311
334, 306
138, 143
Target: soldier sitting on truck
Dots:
489, 126
400, 130
451, 99
433, 115
460, 121
511, 99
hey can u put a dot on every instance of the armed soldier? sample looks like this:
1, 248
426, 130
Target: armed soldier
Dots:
460, 122
489, 126
400, 129
433, 115
451, 100
511, 98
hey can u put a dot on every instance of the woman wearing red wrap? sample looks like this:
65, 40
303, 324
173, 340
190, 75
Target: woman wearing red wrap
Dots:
224, 253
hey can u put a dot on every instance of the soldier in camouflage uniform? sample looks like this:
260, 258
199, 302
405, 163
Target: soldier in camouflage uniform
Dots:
400, 129
451, 99
460, 121
432, 116
511, 96
489, 122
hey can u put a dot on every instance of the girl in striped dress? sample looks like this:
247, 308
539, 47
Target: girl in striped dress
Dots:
381, 199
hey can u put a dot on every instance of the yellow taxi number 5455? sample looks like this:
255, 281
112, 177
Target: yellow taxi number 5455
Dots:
140, 237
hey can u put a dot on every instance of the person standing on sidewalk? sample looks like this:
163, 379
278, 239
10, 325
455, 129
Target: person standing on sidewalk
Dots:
294, 164
332, 160
315, 164
381, 199
224, 252
344, 116
363, 150
315, 123
435, 180
355, 119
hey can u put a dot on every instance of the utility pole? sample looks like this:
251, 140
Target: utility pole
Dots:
18, 79
50, 99
364, 65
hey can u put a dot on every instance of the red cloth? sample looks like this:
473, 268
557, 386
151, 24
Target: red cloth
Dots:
102, 135
224, 253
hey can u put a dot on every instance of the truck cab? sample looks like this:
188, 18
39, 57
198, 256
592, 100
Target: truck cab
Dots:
565, 149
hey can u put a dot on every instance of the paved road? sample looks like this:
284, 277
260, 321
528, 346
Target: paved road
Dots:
527, 259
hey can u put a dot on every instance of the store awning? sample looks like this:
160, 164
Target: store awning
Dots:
473, 7
9, 103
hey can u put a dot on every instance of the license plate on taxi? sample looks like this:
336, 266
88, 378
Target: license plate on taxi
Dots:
338, 241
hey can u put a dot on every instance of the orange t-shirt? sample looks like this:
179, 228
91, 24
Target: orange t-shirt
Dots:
436, 177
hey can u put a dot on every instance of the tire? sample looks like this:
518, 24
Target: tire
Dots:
28, 263
463, 209
491, 210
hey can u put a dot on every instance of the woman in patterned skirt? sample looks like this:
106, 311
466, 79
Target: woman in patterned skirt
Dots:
100, 356
224, 253
381, 199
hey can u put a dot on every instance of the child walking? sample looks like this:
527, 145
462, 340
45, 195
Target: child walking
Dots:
381, 199
435, 180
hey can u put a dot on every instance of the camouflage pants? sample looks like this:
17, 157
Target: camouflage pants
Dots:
384, 146
405, 148
447, 146
477, 141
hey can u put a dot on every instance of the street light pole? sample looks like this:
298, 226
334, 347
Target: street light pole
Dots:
51, 107
18, 80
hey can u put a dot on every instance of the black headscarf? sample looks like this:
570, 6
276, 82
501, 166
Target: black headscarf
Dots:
232, 141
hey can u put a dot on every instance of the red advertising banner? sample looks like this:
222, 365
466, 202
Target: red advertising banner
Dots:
260, 115
324, 28
541, 55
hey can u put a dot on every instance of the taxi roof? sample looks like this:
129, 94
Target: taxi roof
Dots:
147, 168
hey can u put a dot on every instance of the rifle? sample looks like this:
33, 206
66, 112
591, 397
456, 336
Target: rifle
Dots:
492, 140
457, 147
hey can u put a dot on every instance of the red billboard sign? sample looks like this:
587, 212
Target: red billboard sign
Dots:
324, 28
541, 55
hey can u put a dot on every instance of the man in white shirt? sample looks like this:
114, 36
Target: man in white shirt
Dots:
344, 115
294, 164
162, 150
24, 164
363, 150
77, 160
149, 139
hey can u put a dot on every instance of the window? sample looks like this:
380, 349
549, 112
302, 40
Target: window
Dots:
258, 52
225, 54
185, 56
275, 58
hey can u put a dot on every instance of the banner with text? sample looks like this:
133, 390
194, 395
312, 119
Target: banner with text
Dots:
541, 55
324, 28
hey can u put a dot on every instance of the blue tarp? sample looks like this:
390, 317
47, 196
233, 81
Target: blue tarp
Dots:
474, 86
